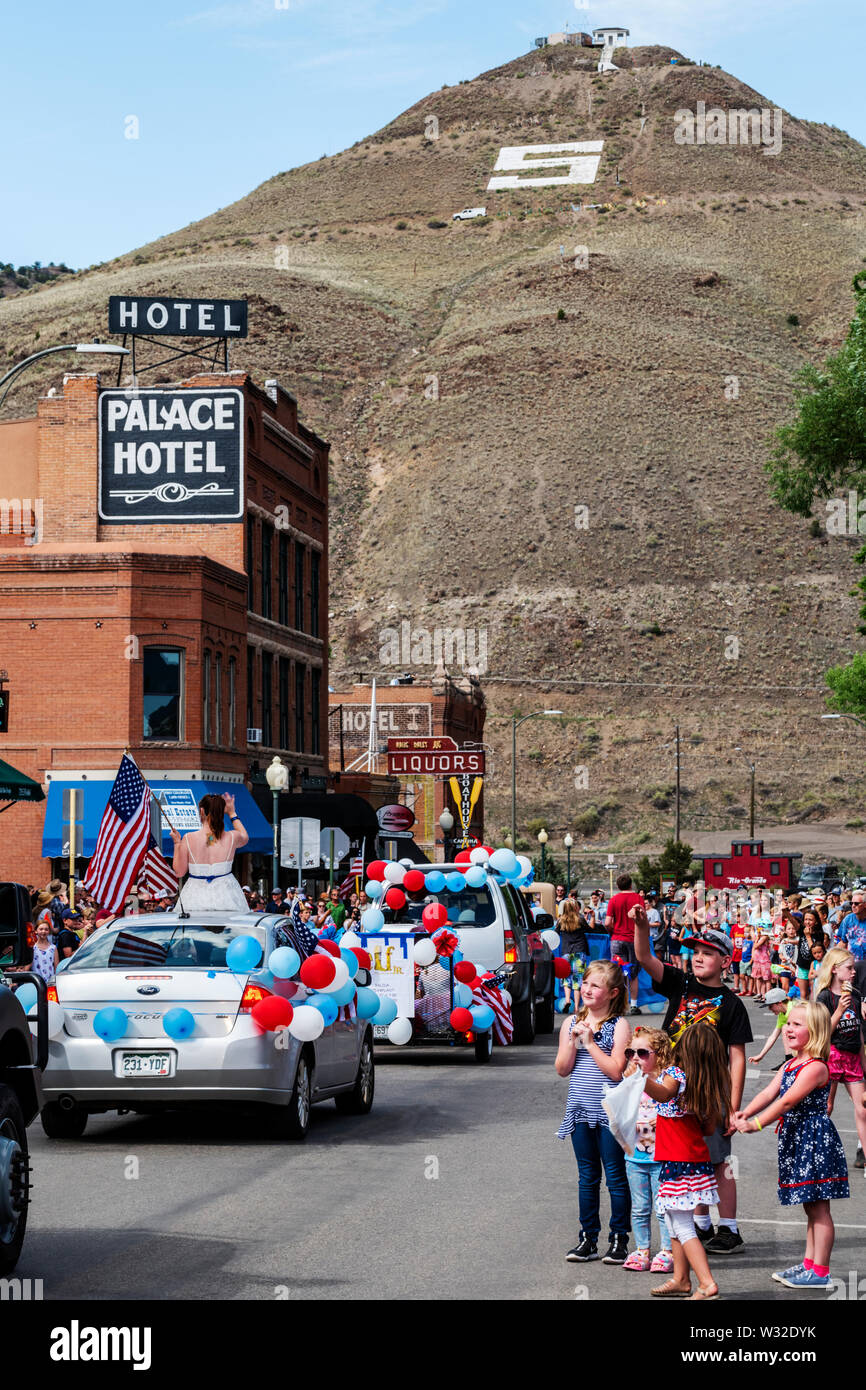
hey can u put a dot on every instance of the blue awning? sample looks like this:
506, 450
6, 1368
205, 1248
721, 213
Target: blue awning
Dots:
95, 798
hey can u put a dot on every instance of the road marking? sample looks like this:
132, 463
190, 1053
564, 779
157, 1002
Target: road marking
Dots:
752, 1075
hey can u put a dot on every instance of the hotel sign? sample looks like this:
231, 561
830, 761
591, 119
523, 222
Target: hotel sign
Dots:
181, 318
171, 456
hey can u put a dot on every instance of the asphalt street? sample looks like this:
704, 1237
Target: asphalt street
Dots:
453, 1187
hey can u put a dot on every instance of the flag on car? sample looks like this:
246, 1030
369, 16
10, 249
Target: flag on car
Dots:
123, 838
156, 874
503, 1028
130, 950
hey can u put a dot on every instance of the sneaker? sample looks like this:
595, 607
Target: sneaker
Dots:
704, 1236
805, 1279
616, 1251
725, 1242
782, 1276
586, 1249
663, 1263
635, 1010
860, 1160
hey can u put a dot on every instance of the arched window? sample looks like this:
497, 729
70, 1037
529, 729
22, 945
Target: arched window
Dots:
218, 699
205, 695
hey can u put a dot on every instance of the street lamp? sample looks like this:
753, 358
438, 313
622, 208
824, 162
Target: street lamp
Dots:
277, 778
542, 840
515, 725
112, 349
446, 821
568, 842
854, 717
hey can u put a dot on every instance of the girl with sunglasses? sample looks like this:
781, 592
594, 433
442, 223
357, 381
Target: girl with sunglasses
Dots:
651, 1051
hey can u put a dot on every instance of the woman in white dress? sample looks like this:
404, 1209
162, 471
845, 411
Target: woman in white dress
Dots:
206, 855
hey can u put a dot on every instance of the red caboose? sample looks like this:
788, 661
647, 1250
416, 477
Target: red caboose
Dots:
749, 866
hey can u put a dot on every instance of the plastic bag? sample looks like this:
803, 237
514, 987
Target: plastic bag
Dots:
621, 1103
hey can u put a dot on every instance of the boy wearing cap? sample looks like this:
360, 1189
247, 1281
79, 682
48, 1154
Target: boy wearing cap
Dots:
779, 1004
701, 996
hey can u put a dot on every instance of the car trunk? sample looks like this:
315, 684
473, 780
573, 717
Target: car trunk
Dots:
212, 997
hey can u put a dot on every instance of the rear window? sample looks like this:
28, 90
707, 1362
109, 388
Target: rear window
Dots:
179, 945
473, 907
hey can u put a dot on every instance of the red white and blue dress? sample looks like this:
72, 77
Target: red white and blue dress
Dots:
812, 1163
687, 1179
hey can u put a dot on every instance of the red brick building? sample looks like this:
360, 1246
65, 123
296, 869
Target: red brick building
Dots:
202, 648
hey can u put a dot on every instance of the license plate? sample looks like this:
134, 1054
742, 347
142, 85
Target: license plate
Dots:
380, 1030
146, 1064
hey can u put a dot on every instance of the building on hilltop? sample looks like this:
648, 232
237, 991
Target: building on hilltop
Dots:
578, 39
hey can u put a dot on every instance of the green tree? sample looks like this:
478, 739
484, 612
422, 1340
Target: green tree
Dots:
848, 684
673, 862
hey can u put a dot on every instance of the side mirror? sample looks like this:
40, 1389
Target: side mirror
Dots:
544, 922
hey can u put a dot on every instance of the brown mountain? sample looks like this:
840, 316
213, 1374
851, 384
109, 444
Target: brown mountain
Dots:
561, 451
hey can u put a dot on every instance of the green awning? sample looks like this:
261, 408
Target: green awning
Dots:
15, 786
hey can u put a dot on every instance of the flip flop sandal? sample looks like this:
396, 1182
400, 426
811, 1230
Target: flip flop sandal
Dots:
702, 1297
670, 1290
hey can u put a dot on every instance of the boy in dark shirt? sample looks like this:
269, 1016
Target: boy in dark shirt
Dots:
700, 996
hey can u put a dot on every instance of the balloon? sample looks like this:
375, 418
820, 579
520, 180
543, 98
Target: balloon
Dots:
551, 937
394, 873
476, 876
462, 996
479, 855
350, 960
407, 863
56, 1019
561, 968
434, 882
395, 898
483, 1017
348, 940
453, 913
328, 945
434, 916
373, 888
372, 919
414, 881
465, 972
467, 915
307, 1023
400, 1031
344, 995
284, 962
180, 1023
461, 1020
367, 1003
341, 975
525, 863
327, 1006
386, 1013
318, 971
504, 861
455, 882
424, 952
243, 954
463, 857
110, 1024
272, 1013
376, 870
362, 957
26, 996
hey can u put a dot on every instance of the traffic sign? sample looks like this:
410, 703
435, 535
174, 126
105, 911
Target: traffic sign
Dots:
447, 764
342, 844
430, 743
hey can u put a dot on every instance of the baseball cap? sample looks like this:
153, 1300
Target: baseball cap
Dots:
102, 915
776, 996
719, 941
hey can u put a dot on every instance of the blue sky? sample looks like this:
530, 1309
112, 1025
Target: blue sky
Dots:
228, 94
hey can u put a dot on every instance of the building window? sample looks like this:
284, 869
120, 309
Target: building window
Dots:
163, 689
233, 674
315, 727
251, 562
267, 572
251, 688
267, 698
315, 562
299, 587
218, 699
774, 867
300, 677
205, 695
737, 849
284, 701
718, 870
283, 580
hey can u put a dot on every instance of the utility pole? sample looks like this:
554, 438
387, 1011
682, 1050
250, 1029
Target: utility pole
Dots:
677, 825
752, 804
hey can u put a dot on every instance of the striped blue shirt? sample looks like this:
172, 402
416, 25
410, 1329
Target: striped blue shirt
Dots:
586, 1084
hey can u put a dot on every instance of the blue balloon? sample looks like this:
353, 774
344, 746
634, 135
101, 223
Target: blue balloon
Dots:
445, 962
455, 882
284, 962
178, 1023
462, 996
476, 876
504, 861
351, 962
386, 1013
434, 882
373, 888
367, 1002
243, 954
110, 1024
373, 919
26, 996
483, 1017
453, 913
467, 915
345, 994
327, 1006
259, 977
456, 955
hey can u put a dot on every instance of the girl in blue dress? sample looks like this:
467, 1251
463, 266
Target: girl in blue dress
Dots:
812, 1165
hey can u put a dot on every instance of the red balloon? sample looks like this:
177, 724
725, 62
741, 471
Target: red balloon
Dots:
434, 916
376, 870
395, 897
328, 945
414, 881
461, 1020
317, 971
272, 1013
561, 967
464, 971
463, 857
363, 957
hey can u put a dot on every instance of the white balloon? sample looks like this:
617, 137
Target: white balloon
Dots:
56, 1020
340, 977
425, 952
479, 855
307, 1023
551, 937
400, 1031
395, 873
407, 863
525, 863
348, 940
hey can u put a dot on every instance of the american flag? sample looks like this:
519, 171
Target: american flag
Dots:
156, 874
503, 1027
357, 865
123, 838
130, 950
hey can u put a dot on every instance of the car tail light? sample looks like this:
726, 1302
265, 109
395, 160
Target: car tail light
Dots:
470, 1036
51, 994
252, 995
510, 947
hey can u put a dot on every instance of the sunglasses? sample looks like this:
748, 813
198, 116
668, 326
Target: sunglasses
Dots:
642, 1052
